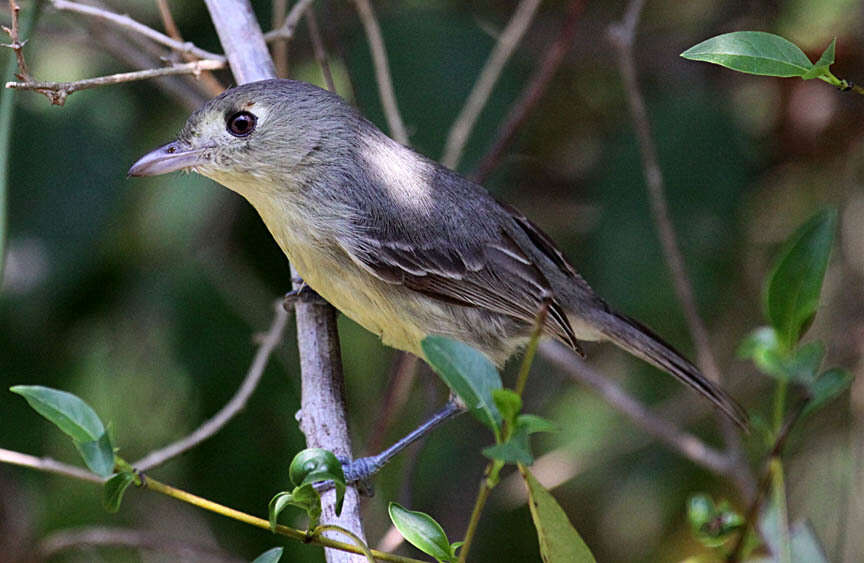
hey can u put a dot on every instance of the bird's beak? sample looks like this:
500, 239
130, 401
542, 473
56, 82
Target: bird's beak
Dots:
168, 158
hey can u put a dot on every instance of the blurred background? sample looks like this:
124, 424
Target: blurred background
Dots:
144, 296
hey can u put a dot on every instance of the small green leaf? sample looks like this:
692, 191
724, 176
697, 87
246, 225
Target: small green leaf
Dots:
98, 455
825, 61
752, 52
422, 531
511, 451
509, 404
469, 374
827, 386
115, 487
559, 540
304, 497
794, 285
532, 424
804, 364
270, 556
69, 413
315, 465
763, 348
712, 525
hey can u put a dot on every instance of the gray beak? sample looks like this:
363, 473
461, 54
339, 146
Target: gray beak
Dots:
168, 158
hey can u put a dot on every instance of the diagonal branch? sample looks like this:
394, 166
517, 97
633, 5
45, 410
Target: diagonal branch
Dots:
382, 71
128, 23
289, 26
268, 343
507, 42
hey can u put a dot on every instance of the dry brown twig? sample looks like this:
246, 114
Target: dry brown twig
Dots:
289, 25
16, 45
504, 47
57, 92
318, 49
208, 81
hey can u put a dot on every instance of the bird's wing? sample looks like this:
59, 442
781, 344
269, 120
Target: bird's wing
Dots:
496, 275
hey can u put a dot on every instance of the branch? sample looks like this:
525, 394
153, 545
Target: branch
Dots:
318, 49
532, 94
92, 536
323, 413
505, 46
128, 23
683, 442
289, 26
268, 343
16, 45
208, 81
382, 71
58, 91
48, 465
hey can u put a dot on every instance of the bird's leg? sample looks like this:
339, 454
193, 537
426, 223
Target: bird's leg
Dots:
362, 469
303, 293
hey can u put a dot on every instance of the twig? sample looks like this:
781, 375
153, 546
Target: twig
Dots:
279, 47
685, 443
382, 71
123, 537
289, 26
47, 465
208, 81
268, 343
16, 45
622, 36
128, 23
324, 417
765, 481
507, 41
532, 94
318, 49
57, 92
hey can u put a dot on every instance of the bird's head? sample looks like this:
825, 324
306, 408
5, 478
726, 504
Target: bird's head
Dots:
261, 135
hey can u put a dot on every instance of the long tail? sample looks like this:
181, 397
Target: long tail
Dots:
640, 341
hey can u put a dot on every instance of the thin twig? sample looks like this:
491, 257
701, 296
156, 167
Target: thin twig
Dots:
532, 94
622, 36
683, 442
268, 343
289, 26
65, 540
318, 49
279, 47
57, 92
382, 71
208, 81
47, 465
128, 23
16, 45
507, 41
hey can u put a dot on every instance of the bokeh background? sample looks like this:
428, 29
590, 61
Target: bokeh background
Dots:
144, 296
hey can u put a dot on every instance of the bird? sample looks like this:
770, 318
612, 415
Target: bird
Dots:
399, 243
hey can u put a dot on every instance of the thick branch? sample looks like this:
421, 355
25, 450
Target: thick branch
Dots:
507, 41
323, 412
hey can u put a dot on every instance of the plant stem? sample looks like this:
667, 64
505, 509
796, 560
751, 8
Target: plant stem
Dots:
482, 497
528, 359
778, 497
293, 533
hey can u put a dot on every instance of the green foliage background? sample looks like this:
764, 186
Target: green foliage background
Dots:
143, 296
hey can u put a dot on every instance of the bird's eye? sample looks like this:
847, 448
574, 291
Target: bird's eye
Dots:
241, 124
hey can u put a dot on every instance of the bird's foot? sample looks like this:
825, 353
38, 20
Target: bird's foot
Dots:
303, 293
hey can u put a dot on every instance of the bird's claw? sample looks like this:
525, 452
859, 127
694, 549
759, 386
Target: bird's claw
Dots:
302, 293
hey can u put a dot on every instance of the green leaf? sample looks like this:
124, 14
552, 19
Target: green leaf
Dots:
712, 525
826, 387
559, 540
508, 402
304, 497
803, 367
794, 285
825, 61
469, 374
422, 531
763, 347
515, 450
752, 52
532, 424
315, 465
115, 487
98, 455
69, 413
270, 556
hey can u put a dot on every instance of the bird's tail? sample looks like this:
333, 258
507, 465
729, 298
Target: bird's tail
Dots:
640, 341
